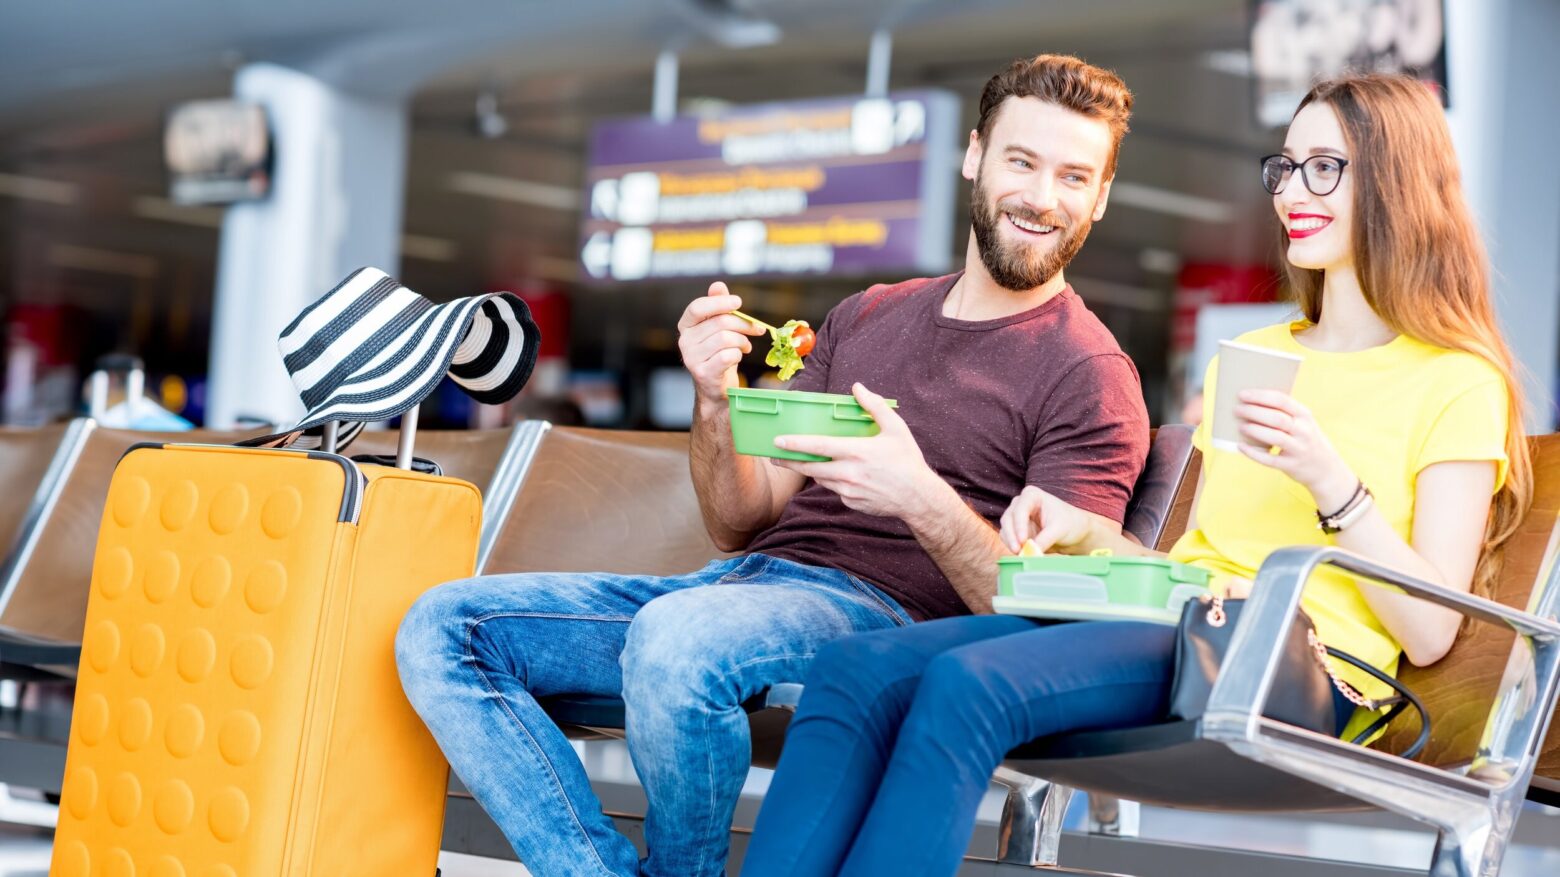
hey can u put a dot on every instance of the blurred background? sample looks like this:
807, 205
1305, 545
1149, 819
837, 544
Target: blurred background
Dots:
178, 179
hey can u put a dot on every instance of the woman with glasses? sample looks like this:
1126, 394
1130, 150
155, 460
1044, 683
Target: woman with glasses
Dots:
1401, 441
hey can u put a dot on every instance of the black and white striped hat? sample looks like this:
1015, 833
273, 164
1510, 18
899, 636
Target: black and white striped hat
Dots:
371, 349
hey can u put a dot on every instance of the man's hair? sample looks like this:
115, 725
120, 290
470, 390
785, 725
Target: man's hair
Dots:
1067, 82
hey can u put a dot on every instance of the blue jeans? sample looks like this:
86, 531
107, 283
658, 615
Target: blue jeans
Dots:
899, 731
684, 652
898, 734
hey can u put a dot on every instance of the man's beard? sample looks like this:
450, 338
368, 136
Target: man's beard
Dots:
1016, 266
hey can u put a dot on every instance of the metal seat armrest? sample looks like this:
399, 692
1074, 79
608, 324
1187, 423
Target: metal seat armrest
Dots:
14, 563
1530, 624
498, 497
1516, 724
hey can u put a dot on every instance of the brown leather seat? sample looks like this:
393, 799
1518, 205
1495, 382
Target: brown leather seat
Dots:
50, 599
1181, 505
468, 454
598, 501
24, 457
1460, 689
606, 501
623, 502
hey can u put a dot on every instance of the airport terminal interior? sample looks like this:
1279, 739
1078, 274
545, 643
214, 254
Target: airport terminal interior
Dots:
179, 179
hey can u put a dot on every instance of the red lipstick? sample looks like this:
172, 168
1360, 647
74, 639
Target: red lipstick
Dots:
1295, 234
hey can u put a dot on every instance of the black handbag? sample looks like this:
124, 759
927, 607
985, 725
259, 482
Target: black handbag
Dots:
1302, 692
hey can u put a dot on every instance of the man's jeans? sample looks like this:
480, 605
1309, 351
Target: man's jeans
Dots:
684, 652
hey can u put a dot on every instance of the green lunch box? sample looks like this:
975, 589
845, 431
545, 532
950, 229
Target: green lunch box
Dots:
1097, 587
758, 416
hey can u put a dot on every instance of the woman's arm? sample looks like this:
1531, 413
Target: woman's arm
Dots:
1451, 507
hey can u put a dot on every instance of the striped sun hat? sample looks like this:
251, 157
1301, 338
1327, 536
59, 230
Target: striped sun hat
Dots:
371, 349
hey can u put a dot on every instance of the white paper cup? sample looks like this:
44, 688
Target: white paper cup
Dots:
1243, 367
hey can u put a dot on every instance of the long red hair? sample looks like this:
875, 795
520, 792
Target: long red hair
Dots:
1420, 261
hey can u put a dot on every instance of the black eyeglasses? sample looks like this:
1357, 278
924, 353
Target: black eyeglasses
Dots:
1320, 173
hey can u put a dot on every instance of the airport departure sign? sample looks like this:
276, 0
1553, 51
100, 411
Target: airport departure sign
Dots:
840, 186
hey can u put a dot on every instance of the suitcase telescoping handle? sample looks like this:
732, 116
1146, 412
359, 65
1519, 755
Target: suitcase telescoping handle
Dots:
403, 448
97, 383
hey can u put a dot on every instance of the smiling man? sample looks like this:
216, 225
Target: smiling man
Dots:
1003, 378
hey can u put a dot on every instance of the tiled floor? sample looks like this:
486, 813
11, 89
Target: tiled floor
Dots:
24, 852
457, 865
1378, 840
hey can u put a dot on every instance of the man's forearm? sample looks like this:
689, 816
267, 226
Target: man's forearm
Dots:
963, 545
735, 495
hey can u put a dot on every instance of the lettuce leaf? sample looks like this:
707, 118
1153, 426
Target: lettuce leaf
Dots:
782, 354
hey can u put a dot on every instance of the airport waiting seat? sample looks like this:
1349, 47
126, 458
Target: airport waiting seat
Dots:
605, 501
599, 501
47, 599
44, 600
1491, 701
562, 519
43, 606
25, 455
44, 582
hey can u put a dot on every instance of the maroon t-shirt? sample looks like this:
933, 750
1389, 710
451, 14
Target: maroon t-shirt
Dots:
1045, 397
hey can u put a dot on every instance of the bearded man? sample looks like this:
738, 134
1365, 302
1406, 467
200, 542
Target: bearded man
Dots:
1003, 379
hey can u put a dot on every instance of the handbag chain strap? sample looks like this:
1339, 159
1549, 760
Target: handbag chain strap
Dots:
1349, 692
1217, 617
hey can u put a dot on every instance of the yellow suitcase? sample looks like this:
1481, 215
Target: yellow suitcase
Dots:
238, 712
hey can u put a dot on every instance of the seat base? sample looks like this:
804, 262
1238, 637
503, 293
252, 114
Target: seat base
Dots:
27, 657
1172, 766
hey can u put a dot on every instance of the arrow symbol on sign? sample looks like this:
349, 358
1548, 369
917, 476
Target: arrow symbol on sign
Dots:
909, 122
604, 200
597, 254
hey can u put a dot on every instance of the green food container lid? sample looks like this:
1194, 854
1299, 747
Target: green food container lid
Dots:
1097, 587
759, 416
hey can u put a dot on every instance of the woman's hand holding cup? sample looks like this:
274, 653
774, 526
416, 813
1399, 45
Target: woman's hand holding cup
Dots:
1279, 432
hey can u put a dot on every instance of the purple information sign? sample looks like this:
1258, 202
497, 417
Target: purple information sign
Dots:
838, 186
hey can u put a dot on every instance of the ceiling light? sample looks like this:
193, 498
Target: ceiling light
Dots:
152, 207
1157, 261
103, 261
429, 249
1174, 203
731, 23
1122, 295
510, 189
490, 123
555, 269
1235, 62
36, 189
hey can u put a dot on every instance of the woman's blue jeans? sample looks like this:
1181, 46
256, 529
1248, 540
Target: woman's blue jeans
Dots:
899, 731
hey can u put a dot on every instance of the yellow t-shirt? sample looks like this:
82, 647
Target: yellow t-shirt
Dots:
1390, 411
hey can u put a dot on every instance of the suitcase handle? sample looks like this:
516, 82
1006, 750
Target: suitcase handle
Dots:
403, 448
97, 383
419, 464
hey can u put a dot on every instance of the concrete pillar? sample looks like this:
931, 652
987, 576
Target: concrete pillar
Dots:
1502, 69
335, 206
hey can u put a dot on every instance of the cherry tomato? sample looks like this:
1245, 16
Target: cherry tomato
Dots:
803, 338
